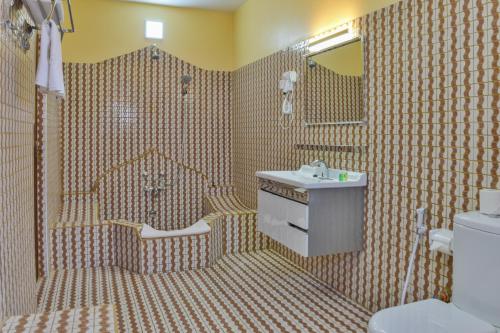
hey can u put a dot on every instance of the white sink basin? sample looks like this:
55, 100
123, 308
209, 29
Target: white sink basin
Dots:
305, 178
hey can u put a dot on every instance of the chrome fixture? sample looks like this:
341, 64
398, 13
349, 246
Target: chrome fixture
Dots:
185, 81
23, 31
311, 63
323, 168
420, 233
155, 52
153, 187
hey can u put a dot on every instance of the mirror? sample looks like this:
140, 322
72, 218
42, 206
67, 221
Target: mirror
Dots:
334, 85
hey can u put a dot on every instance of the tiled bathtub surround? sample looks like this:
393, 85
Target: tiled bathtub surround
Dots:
17, 233
126, 115
80, 209
81, 246
432, 82
121, 195
80, 238
85, 241
161, 255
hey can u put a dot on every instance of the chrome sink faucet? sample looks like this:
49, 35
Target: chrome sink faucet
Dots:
323, 168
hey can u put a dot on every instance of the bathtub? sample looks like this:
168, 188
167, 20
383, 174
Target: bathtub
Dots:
200, 227
144, 250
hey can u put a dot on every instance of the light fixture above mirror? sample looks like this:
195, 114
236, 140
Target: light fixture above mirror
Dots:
334, 38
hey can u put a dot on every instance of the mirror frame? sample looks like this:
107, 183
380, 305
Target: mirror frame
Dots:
338, 123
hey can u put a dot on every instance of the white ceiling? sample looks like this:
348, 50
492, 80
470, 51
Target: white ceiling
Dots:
228, 5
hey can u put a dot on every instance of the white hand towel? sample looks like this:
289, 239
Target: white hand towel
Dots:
56, 76
42, 72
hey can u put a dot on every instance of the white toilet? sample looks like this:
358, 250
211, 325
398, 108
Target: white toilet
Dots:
475, 306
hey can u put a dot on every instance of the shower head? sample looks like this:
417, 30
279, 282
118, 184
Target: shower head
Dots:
311, 63
186, 79
155, 52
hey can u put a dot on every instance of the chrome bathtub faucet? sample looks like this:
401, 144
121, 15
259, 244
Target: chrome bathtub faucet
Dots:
155, 185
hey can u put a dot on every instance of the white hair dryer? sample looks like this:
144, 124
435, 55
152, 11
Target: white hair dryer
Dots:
286, 84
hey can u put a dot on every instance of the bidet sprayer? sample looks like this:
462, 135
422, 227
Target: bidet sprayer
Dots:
421, 228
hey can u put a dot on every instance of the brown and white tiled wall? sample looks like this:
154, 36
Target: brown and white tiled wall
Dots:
431, 96
17, 229
126, 115
48, 179
432, 102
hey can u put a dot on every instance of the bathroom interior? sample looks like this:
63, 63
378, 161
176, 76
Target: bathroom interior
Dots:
250, 166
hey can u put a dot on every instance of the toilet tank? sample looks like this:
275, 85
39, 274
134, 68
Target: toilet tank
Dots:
476, 265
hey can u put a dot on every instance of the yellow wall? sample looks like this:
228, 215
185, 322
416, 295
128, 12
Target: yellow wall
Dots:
263, 27
208, 39
108, 28
345, 60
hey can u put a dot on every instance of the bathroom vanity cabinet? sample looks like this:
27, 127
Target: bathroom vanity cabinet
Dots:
312, 222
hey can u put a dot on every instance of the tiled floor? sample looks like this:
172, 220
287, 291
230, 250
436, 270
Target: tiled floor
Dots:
252, 292
87, 319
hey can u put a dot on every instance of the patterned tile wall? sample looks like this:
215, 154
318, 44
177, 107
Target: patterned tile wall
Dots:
432, 83
53, 158
17, 227
121, 194
126, 115
48, 175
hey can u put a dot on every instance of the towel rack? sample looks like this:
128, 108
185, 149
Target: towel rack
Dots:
23, 31
52, 9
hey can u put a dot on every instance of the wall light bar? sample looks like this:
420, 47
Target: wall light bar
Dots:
330, 41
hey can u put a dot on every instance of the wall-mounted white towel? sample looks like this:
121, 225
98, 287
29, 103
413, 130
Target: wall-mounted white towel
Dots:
40, 9
56, 76
42, 71
49, 75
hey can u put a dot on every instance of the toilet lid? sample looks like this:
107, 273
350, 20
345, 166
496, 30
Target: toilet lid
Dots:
429, 316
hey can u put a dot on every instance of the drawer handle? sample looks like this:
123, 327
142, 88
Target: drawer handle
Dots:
290, 224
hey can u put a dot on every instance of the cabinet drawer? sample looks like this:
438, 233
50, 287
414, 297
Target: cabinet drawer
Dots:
295, 239
284, 221
293, 212
297, 214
